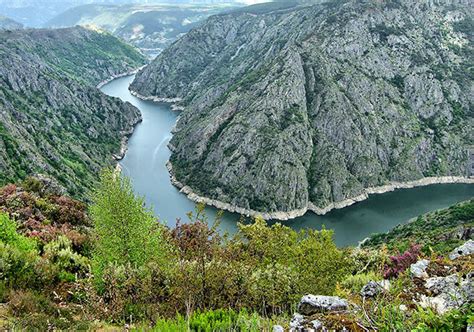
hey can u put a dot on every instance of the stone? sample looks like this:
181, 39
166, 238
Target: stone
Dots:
311, 304
278, 328
466, 249
447, 293
371, 289
297, 322
317, 324
418, 269
385, 284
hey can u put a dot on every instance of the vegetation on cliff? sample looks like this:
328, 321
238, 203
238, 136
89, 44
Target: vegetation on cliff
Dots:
63, 267
53, 119
297, 106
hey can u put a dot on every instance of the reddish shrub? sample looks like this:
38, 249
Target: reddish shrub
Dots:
400, 263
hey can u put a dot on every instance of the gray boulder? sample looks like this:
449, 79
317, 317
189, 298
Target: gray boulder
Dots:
418, 269
297, 322
317, 325
447, 293
371, 289
466, 249
311, 304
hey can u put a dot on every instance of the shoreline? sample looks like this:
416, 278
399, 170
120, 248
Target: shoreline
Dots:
113, 77
171, 101
288, 215
117, 157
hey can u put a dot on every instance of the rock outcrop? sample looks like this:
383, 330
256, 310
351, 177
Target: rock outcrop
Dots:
447, 293
307, 107
53, 120
418, 269
311, 305
466, 249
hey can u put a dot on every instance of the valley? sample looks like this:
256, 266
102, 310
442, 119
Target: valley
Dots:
149, 27
147, 155
311, 107
290, 166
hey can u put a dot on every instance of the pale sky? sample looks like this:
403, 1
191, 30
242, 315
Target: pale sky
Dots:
251, 2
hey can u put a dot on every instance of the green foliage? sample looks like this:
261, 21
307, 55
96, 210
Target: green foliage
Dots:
60, 253
9, 235
435, 231
388, 317
125, 231
354, 283
17, 267
216, 320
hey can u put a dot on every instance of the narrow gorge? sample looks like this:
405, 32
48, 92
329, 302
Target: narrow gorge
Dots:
316, 106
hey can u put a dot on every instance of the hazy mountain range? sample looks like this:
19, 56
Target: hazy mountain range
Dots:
149, 27
35, 13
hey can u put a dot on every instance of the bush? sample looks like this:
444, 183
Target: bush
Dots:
354, 283
216, 320
399, 263
60, 253
9, 235
125, 231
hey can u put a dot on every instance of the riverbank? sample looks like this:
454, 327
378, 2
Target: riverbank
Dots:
172, 101
288, 215
113, 77
127, 134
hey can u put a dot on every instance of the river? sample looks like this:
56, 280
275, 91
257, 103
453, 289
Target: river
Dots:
147, 154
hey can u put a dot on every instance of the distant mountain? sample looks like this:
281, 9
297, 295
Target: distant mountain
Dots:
9, 24
149, 27
289, 108
53, 120
35, 13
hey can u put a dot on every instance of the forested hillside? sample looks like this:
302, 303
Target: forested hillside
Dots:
53, 120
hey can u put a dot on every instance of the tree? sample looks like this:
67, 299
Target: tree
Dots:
126, 233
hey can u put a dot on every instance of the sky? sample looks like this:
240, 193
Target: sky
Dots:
252, 2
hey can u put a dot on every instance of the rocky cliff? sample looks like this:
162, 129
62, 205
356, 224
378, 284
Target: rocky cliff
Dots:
305, 106
52, 118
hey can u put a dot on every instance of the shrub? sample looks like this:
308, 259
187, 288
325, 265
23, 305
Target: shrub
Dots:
216, 320
125, 231
399, 263
354, 283
9, 235
60, 253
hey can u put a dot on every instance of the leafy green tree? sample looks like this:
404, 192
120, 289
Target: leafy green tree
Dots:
126, 232
9, 235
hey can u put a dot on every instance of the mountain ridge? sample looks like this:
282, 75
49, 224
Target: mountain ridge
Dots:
374, 93
54, 120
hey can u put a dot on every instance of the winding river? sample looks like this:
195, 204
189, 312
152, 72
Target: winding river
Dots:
147, 154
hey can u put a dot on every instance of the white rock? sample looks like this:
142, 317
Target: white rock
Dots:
296, 322
317, 324
311, 304
278, 328
466, 249
418, 269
